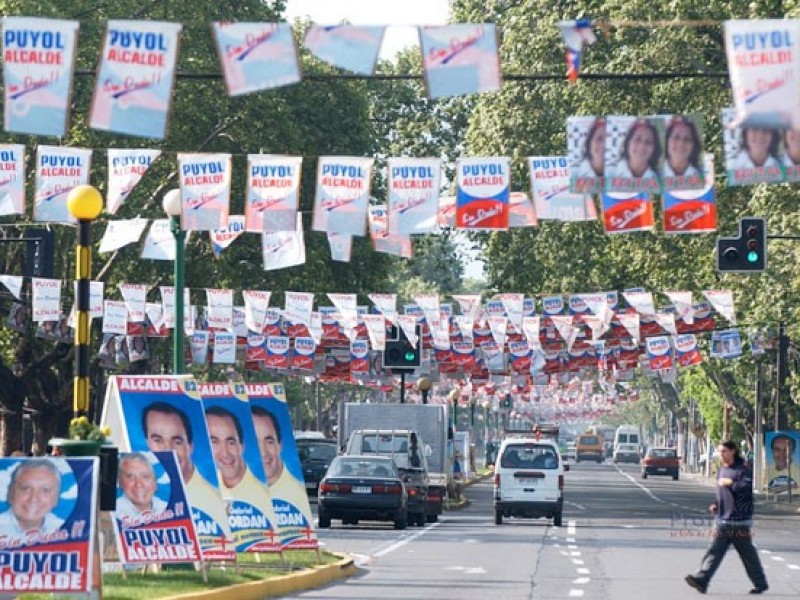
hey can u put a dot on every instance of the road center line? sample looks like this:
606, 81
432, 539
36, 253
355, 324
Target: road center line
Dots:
640, 486
402, 542
571, 528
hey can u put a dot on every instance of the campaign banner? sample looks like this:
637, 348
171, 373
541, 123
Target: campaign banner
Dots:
460, 59
752, 154
38, 64
47, 524
634, 154
133, 90
273, 192
623, 213
659, 353
726, 344
586, 143
238, 459
120, 233
359, 358
225, 236
692, 211
152, 413
483, 191
521, 212
764, 69
282, 249
126, 167
46, 299
153, 518
12, 180
684, 167
275, 433
304, 353
205, 181
277, 356
686, 350
351, 47
58, 170
552, 198
224, 348
342, 194
256, 56
782, 453
413, 195
382, 240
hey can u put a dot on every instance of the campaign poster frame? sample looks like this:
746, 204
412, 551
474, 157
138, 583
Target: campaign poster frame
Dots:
293, 514
251, 518
127, 398
774, 479
68, 532
168, 529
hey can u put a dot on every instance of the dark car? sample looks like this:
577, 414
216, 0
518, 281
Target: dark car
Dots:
316, 455
362, 487
661, 461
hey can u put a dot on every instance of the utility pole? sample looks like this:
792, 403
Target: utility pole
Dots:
758, 433
782, 367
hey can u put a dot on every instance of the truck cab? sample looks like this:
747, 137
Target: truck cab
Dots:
409, 454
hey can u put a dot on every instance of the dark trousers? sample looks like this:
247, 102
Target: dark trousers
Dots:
742, 540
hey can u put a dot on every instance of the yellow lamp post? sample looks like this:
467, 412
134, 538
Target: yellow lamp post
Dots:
84, 202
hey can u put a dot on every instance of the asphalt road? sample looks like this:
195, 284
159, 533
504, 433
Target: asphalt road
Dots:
623, 537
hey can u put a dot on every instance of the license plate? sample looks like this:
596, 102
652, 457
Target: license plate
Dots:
527, 481
661, 469
362, 489
311, 485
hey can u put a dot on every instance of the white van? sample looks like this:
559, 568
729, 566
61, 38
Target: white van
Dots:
627, 444
529, 480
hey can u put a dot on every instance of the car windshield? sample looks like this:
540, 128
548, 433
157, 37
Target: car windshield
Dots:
363, 468
589, 440
529, 456
661, 453
323, 452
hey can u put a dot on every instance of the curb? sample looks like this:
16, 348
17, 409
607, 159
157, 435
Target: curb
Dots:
278, 586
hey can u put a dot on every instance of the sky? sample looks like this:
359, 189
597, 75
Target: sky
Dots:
402, 16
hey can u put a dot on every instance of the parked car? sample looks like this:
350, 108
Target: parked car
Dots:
362, 487
316, 455
661, 461
529, 480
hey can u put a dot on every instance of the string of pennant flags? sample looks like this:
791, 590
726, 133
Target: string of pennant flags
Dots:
534, 335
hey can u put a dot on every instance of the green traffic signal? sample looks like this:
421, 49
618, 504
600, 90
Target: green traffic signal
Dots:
410, 356
752, 256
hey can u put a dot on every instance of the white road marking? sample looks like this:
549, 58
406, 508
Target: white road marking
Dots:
778, 558
629, 526
582, 571
570, 540
573, 546
577, 561
571, 528
575, 504
361, 559
576, 593
468, 570
581, 580
765, 552
471, 541
794, 567
576, 553
402, 542
646, 490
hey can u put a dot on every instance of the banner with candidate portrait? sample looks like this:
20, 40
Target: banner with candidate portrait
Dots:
273, 427
413, 195
47, 524
752, 154
460, 59
205, 181
586, 144
153, 518
782, 449
151, 413
38, 64
12, 184
634, 154
482, 196
133, 90
552, 198
624, 213
242, 480
342, 194
126, 167
764, 69
692, 211
273, 192
58, 170
256, 56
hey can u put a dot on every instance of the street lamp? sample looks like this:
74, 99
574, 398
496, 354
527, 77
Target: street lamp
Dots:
84, 202
424, 385
173, 204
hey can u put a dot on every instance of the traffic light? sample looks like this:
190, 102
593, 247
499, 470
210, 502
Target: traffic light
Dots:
746, 253
507, 401
39, 255
399, 353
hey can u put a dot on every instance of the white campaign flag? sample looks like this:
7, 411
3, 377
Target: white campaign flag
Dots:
121, 233
13, 283
282, 249
220, 309
46, 299
413, 195
115, 317
135, 297
298, 307
12, 184
160, 241
386, 304
126, 167
256, 303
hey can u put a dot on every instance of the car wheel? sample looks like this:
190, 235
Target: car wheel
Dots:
557, 519
323, 520
599, 461
401, 520
675, 476
498, 517
432, 518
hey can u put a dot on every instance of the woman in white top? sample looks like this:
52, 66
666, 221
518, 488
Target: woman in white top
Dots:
791, 143
591, 165
682, 149
759, 149
641, 151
